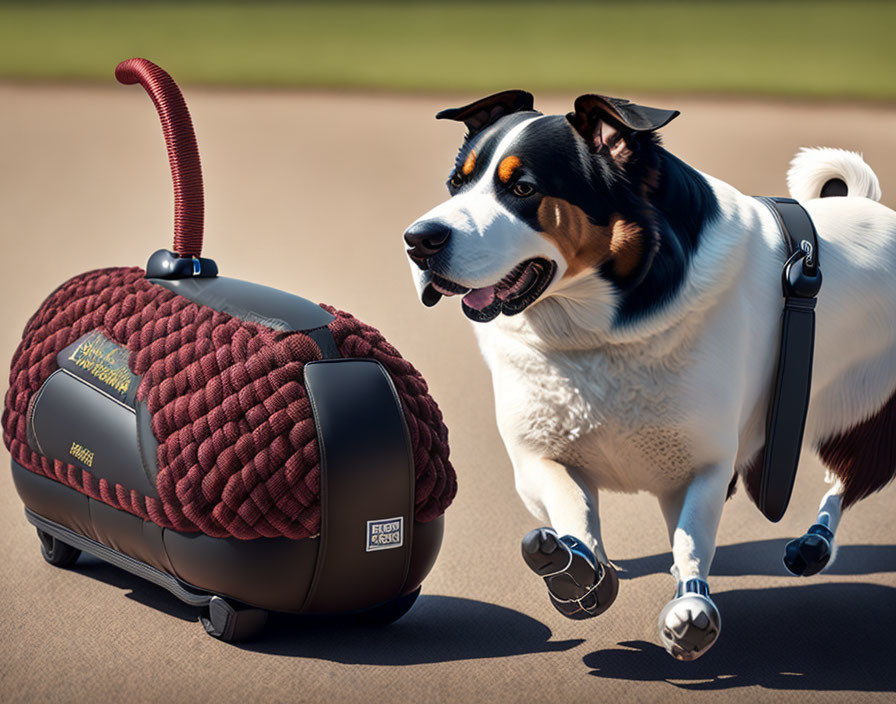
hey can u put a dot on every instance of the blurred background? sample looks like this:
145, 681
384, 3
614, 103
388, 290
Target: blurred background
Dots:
837, 50
315, 125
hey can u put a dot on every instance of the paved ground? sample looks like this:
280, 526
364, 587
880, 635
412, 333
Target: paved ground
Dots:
310, 193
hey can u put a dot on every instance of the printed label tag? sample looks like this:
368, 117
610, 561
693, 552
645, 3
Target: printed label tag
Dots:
102, 363
385, 533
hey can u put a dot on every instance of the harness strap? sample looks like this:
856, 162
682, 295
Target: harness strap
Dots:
801, 281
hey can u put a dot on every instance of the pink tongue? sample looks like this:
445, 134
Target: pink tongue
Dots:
480, 298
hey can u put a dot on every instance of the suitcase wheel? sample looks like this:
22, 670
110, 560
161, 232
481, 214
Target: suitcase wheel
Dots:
230, 621
55, 551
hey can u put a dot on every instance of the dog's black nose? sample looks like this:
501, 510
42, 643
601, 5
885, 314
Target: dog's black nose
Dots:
426, 239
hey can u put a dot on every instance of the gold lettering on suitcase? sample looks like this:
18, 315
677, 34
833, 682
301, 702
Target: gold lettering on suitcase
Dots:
104, 360
82, 454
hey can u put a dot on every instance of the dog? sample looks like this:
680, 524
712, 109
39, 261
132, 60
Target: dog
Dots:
629, 309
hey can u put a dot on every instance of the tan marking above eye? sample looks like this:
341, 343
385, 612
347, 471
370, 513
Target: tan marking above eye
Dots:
507, 166
585, 245
469, 164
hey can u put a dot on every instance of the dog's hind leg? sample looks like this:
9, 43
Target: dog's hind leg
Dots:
690, 623
815, 550
863, 460
569, 556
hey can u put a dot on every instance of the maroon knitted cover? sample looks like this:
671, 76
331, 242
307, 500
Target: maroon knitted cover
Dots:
238, 451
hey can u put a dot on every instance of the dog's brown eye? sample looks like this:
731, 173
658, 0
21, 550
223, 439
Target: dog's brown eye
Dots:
456, 181
522, 189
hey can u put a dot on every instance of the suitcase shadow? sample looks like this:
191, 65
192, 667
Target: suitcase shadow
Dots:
437, 629
764, 557
819, 637
137, 589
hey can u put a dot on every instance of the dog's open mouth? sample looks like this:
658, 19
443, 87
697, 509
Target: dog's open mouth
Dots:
511, 295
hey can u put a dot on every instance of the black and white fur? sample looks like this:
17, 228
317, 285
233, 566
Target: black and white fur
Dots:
650, 367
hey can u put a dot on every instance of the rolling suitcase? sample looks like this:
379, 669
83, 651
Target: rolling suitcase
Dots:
243, 447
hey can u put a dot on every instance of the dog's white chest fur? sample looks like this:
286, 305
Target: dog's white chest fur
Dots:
610, 412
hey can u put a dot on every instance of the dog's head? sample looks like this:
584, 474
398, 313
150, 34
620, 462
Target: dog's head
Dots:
537, 200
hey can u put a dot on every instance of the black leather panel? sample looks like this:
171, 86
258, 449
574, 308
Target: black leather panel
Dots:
129, 534
147, 445
325, 342
53, 500
270, 573
427, 542
76, 423
367, 485
252, 302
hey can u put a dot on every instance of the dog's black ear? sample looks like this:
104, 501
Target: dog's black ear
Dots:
605, 122
486, 111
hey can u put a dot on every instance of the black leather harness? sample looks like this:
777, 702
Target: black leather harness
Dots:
801, 281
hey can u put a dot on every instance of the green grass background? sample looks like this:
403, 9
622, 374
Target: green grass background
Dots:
786, 48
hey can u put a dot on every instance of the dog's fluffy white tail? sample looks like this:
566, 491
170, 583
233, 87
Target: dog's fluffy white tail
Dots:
811, 169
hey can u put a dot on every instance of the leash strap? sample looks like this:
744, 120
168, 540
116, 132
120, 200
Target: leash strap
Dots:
801, 281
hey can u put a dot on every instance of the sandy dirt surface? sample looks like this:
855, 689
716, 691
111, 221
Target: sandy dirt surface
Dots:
310, 193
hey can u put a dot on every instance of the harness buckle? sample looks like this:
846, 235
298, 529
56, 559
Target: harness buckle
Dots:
801, 277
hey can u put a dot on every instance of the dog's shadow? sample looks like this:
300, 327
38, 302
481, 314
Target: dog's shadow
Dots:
764, 557
807, 637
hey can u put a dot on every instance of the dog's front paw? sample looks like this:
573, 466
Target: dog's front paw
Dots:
579, 586
690, 623
811, 553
